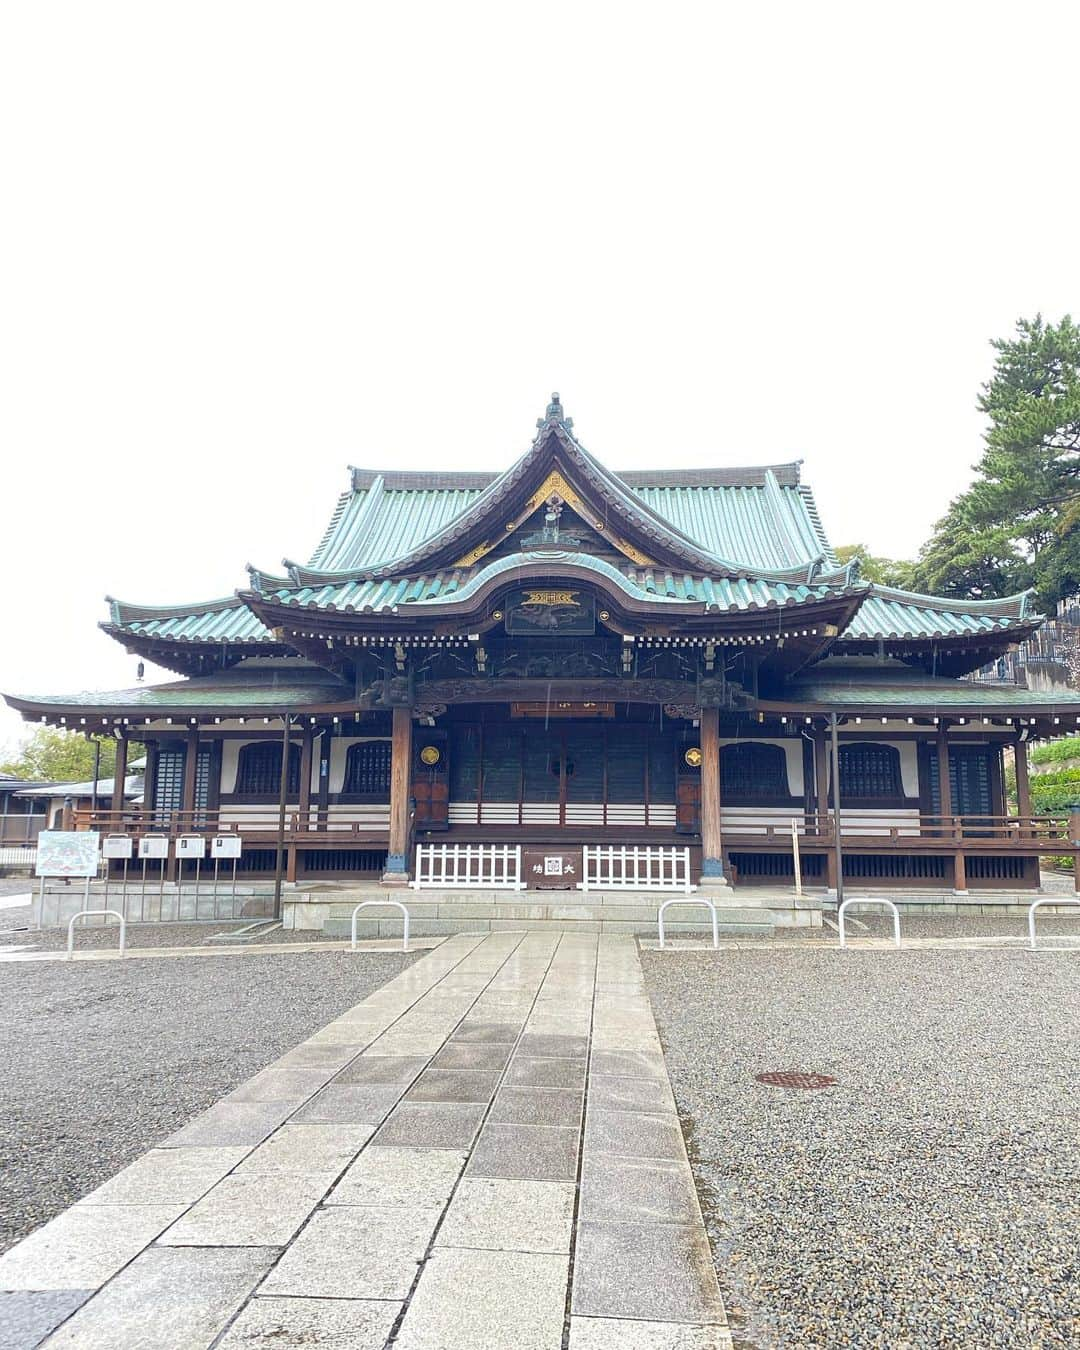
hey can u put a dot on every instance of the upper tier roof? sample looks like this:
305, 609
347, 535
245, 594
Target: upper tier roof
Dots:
730, 539
762, 518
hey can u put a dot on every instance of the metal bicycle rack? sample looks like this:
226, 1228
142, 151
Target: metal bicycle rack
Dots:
365, 904
697, 900
856, 901
1050, 900
85, 913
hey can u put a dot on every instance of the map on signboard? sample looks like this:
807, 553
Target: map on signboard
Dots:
67, 853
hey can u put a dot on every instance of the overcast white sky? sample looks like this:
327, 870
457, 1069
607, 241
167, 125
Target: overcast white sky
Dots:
246, 245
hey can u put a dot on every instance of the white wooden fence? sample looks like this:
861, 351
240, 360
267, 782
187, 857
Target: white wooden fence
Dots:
484, 866
618, 867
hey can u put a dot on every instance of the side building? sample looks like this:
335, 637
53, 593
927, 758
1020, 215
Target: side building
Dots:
560, 655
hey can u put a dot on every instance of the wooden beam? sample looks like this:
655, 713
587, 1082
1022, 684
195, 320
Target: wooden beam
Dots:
821, 774
397, 859
191, 761
307, 742
1023, 782
945, 801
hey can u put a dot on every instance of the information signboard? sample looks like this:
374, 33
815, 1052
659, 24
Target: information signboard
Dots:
225, 846
153, 846
67, 853
191, 846
116, 846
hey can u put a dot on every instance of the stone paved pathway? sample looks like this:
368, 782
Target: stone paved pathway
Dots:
482, 1154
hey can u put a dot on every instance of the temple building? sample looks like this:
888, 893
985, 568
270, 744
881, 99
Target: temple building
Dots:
560, 655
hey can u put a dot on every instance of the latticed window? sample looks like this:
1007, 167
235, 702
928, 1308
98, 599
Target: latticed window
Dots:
750, 772
367, 768
870, 772
259, 770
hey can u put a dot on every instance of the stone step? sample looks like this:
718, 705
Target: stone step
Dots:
509, 917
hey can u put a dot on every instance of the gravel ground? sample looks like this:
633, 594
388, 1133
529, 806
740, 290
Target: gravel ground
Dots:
931, 1197
103, 1061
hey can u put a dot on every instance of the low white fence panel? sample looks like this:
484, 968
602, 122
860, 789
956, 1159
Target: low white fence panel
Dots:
476, 866
628, 867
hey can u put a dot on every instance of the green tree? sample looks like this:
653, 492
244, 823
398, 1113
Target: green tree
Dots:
883, 571
51, 754
1019, 522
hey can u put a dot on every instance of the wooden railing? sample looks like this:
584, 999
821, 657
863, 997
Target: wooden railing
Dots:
257, 825
864, 829
898, 829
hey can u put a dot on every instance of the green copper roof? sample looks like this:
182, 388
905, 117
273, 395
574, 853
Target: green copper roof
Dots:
890, 614
861, 689
401, 594
763, 525
257, 685
227, 620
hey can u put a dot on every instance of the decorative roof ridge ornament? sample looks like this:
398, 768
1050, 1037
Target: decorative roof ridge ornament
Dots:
554, 416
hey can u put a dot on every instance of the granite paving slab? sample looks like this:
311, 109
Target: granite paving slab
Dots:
169, 1298
487, 1033
231, 1123
454, 1085
629, 1064
647, 1190
84, 1246
538, 1046
610, 1333
634, 1134
454, 1055
362, 1251
299, 1323
432, 1125
525, 1152
651, 1271
260, 1209
399, 1176
167, 1176
552, 1073
536, 1106
349, 1104
631, 1094
480, 1300
376, 1069
514, 1216
311, 1147
27, 1316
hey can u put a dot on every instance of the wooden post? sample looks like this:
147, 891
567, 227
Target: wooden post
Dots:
944, 775
150, 781
397, 857
191, 764
712, 844
959, 873
1074, 839
187, 800
821, 775
283, 797
307, 743
838, 853
119, 775
1023, 784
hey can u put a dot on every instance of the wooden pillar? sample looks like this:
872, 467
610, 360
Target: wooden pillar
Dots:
191, 764
1023, 783
821, 775
150, 779
1074, 839
322, 796
959, 873
397, 858
945, 801
712, 847
307, 743
119, 775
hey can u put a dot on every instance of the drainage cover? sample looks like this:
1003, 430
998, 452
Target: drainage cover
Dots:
793, 1078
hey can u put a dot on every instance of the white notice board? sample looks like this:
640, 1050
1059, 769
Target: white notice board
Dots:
67, 853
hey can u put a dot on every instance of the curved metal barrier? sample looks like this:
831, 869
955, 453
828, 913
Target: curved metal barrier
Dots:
1050, 900
856, 901
698, 900
85, 914
365, 904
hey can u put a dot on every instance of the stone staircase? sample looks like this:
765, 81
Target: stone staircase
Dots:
437, 912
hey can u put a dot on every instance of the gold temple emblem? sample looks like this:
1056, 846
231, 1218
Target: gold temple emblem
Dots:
694, 757
552, 598
430, 755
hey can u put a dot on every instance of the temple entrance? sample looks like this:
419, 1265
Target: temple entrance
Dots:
588, 775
